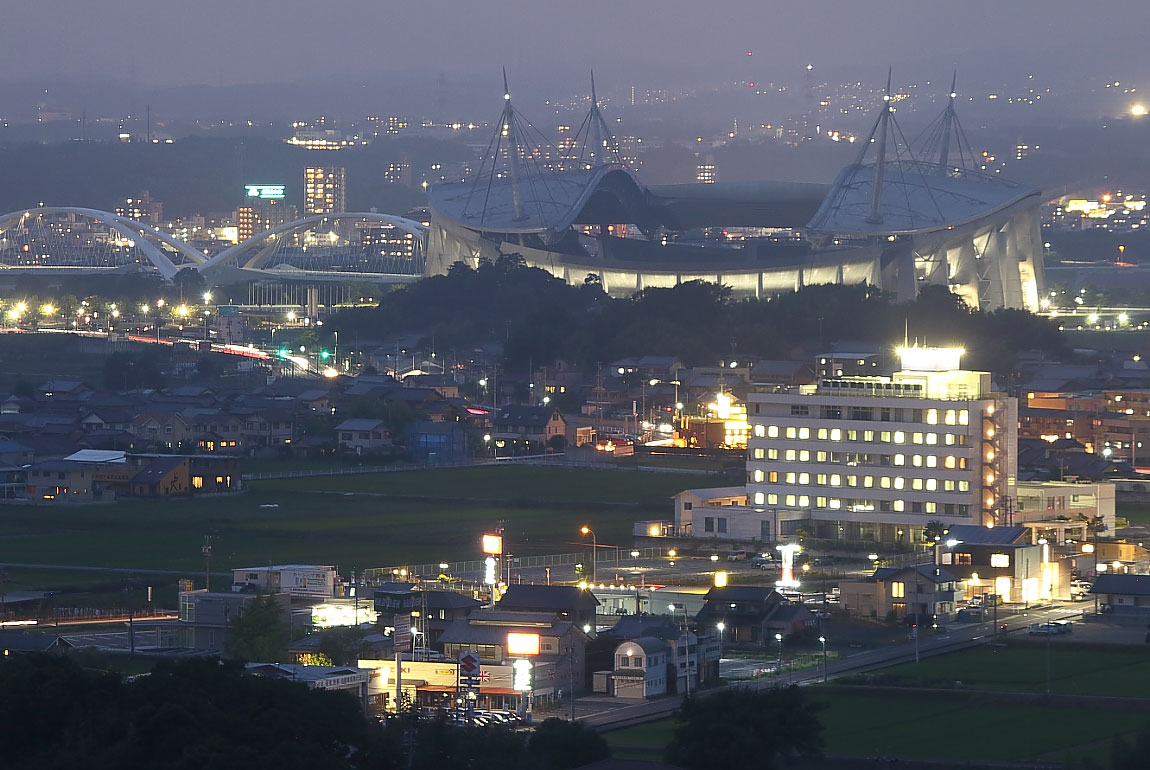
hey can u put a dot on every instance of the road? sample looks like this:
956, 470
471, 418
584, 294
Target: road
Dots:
605, 713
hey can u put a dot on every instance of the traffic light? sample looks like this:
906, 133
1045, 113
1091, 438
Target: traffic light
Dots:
325, 355
283, 352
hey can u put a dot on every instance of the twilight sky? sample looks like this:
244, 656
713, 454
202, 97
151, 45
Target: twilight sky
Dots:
162, 42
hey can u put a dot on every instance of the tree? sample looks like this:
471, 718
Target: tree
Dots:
934, 530
260, 632
341, 645
730, 729
558, 744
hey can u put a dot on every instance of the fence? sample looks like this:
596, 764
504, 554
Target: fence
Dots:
619, 558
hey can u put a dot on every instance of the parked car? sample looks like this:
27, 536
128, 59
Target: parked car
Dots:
736, 555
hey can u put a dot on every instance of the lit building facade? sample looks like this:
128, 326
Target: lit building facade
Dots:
259, 215
324, 190
876, 458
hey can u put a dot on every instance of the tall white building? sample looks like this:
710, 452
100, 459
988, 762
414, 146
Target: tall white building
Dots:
876, 458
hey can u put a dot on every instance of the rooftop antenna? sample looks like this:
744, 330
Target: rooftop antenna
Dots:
206, 550
875, 216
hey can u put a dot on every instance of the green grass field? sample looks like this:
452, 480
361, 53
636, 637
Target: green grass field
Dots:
936, 727
320, 520
1023, 669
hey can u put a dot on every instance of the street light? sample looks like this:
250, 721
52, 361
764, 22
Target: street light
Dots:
779, 665
594, 550
823, 642
722, 627
686, 640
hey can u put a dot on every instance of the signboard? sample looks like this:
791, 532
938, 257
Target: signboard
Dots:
522, 680
265, 191
469, 670
489, 571
522, 644
402, 633
493, 544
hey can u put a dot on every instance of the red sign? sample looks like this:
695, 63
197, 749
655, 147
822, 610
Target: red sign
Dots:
468, 663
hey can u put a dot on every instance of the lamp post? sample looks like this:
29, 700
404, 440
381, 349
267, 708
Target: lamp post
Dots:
594, 550
823, 642
779, 665
722, 627
686, 640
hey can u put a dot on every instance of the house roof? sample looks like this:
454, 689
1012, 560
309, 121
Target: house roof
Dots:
495, 630
739, 593
97, 456
157, 469
635, 626
357, 424
928, 571
527, 415
648, 644
30, 641
972, 534
547, 598
1128, 585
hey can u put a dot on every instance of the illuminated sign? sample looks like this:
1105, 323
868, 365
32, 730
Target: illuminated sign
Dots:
522, 679
930, 359
720, 579
328, 615
522, 644
265, 191
489, 570
493, 544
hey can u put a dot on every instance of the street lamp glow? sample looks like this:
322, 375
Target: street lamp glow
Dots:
48, 309
951, 543
207, 296
182, 311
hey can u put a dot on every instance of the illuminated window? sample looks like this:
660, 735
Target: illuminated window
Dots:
760, 431
948, 485
792, 432
772, 431
916, 484
804, 478
835, 502
821, 457
852, 435
949, 439
931, 485
884, 482
772, 454
899, 437
898, 589
900, 459
932, 439
1000, 560
772, 499
852, 481
804, 501
964, 486
790, 500
898, 505
932, 507
791, 455
821, 479
836, 480
951, 417
916, 461
759, 453
757, 476
932, 417
948, 462
868, 435
759, 498
963, 417
884, 436
836, 434
792, 477
931, 461
820, 502
962, 559
805, 456
198, 482
773, 477
822, 433
917, 438
868, 481
804, 433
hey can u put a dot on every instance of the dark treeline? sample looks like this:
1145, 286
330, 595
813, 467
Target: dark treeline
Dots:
540, 319
203, 713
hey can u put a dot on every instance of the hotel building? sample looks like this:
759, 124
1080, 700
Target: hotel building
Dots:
875, 458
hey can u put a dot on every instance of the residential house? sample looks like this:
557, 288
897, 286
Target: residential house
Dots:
442, 608
531, 429
742, 609
162, 477
163, 430
433, 442
363, 436
923, 589
205, 617
62, 481
642, 667
1123, 596
1001, 561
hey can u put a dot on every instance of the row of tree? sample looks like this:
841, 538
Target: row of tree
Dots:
540, 318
